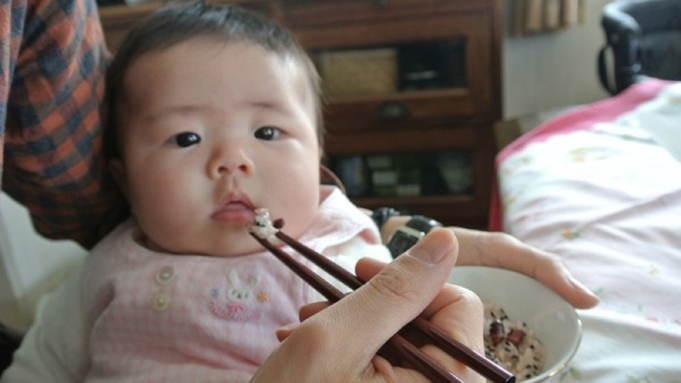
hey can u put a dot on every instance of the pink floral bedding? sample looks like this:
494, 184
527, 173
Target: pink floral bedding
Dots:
595, 188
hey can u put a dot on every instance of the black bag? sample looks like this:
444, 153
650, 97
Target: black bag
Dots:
644, 40
9, 342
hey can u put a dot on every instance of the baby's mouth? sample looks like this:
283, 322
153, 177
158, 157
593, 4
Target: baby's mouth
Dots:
235, 206
234, 211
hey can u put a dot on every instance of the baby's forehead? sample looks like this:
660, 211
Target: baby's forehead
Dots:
210, 46
294, 78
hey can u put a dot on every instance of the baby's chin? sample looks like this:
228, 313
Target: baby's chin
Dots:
226, 246
236, 250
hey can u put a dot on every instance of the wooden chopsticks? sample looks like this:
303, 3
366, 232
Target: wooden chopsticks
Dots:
398, 343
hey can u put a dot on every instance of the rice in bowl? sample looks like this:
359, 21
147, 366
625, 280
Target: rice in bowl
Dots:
550, 319
511, 344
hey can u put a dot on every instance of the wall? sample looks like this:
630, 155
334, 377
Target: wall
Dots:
552, 70
30, 265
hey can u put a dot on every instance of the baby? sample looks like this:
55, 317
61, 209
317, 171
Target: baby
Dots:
215, 112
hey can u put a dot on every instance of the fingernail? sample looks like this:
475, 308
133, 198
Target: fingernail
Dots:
429, 250
585, 289
288, 327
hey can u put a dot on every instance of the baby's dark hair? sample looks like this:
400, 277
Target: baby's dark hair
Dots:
177, 23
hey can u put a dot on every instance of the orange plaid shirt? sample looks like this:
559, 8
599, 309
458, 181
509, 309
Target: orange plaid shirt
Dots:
52, 63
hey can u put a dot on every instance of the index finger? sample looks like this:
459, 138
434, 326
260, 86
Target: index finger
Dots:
457, 311
396, 295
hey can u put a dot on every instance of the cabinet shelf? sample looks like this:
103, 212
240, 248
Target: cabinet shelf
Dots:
408, 95
468, 213
415, 201
117, 19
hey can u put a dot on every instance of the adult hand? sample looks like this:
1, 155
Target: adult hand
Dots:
339, 343
502, 250
505, 251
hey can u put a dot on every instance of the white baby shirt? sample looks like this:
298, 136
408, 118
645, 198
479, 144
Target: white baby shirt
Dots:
156, 317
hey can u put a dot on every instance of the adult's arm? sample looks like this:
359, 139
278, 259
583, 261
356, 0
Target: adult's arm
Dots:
52, 161
502, 250
55, 347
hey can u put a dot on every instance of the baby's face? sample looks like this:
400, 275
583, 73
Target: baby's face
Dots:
210, 131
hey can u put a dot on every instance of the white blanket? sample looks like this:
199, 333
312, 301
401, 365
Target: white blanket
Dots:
607, 198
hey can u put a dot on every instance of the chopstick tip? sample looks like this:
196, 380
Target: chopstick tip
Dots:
262, 225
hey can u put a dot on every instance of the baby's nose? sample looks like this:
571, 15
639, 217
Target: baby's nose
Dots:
229, 159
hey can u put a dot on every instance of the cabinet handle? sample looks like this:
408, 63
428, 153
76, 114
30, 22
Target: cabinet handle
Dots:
392, 110
381, 3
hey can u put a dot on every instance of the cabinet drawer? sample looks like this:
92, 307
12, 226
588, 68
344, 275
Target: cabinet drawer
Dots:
431, 138
474, 69
323, 12
118, 19
390, 112
316, 12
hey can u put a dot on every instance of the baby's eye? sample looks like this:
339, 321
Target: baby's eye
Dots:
185, 139
267, 133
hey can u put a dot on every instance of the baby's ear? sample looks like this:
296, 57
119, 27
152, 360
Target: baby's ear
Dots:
117, 171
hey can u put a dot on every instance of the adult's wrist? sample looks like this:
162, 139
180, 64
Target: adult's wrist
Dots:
408, 234
381, 215
387, 220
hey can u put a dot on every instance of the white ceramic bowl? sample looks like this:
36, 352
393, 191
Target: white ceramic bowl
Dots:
553, 320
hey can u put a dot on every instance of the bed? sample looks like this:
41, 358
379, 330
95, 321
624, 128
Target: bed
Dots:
600, 186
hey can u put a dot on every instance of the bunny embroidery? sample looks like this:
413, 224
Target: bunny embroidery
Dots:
240, 300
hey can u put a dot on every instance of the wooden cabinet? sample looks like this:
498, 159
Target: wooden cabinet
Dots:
117, 19
423, 138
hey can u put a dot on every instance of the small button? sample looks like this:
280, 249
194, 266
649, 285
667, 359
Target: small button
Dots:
161, 301
165, 275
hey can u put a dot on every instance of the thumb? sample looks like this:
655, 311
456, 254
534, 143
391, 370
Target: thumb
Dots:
397, 294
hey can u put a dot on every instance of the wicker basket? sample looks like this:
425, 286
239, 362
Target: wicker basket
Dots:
355, 72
